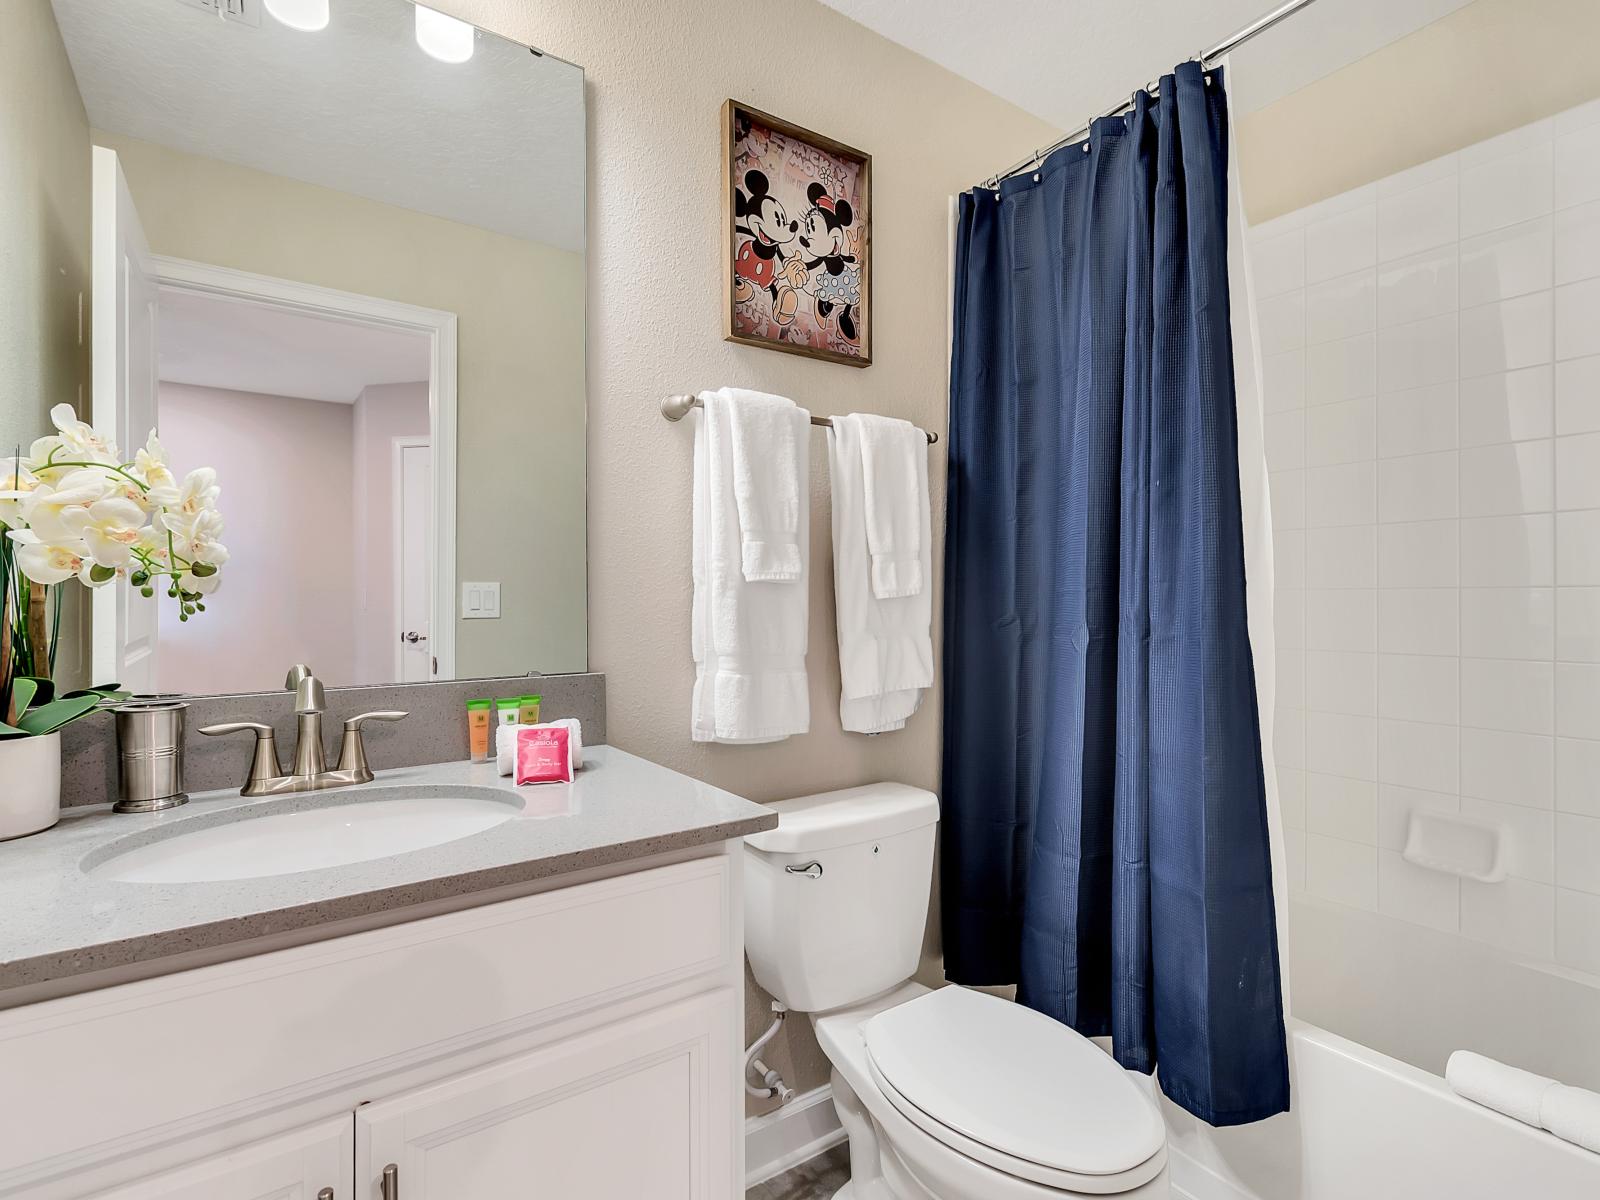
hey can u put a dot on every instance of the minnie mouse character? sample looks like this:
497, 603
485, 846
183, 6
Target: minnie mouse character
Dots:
822, 238
759, 261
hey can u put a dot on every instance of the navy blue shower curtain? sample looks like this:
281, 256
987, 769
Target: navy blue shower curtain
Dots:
1105, 839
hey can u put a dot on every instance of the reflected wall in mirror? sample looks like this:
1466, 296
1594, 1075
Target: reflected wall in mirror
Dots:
344, 267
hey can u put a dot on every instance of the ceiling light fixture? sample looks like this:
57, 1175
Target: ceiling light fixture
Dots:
308, 16
444, 38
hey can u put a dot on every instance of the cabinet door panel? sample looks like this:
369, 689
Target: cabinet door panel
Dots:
639, 1108
301, 1165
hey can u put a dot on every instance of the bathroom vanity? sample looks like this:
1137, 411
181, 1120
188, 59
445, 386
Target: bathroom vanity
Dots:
550, 1005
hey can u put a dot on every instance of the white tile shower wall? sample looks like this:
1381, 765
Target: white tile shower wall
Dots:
1431, 351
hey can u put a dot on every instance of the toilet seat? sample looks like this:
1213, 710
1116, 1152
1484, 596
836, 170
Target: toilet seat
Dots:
1015, 1090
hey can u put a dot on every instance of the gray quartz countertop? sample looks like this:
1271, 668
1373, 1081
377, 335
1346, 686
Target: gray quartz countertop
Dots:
64, 921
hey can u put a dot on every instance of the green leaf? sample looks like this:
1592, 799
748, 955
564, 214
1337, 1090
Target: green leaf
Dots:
44, 691
23, 688
11, 731
48, 718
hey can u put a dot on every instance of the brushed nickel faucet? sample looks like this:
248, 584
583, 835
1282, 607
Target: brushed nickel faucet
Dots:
311, 773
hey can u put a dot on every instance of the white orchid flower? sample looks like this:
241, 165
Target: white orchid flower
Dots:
54, 562
150, 464
205, 585
114, 527
58, 511
79, 437
198, 492
15, 485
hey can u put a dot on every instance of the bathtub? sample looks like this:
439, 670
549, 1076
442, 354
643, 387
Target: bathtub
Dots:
1368, 1127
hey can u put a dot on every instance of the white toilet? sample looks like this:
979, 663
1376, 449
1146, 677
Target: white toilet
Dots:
946, 1095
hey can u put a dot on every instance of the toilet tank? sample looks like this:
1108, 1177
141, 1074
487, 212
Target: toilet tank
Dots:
836, 897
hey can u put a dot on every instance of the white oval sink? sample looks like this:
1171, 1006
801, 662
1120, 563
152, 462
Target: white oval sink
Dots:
382, 823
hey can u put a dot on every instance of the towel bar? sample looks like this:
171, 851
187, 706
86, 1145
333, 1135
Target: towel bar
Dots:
676, 408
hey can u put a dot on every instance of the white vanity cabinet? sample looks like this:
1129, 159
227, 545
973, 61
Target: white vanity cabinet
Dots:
581, 1042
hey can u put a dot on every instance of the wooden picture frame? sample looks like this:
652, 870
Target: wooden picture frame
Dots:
796, 239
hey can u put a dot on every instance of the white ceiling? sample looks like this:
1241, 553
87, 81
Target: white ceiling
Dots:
208, 341
1068, 60
496, 142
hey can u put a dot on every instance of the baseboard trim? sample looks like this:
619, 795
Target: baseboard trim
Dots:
1193, 1180
786, 1137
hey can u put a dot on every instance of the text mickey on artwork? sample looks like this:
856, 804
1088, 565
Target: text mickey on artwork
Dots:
798, 248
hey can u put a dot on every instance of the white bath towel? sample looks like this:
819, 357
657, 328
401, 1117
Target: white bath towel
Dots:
1572, 1114
749, 638
894, 457
767, 491
1506, 1089
885, 645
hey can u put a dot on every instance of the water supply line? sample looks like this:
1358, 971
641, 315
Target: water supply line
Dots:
772, 1083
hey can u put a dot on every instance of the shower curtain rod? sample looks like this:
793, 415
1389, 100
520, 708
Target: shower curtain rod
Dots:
1281, 13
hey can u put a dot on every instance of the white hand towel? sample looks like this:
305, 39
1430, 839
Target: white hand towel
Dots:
767, 432
894, 456
885, 645
1516, 1093
749, 638
1572, 1114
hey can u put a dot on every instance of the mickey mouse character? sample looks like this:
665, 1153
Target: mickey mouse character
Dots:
759, 261
825, 243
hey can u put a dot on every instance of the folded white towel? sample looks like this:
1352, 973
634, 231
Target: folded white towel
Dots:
767, 432
885, 645
1572, 1114
505, 743
749, 637
894, 457
1506, 1089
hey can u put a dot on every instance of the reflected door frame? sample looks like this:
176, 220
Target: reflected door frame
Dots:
439, 327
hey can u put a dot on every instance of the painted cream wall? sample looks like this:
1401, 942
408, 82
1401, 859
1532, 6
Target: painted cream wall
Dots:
657, 74
1485, 69
283, 599
521, 378
44, 255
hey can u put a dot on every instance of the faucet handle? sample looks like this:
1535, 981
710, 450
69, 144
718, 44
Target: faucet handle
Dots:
355, 723
353, 749
264, 764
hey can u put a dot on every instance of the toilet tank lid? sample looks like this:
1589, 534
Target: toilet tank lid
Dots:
829, 820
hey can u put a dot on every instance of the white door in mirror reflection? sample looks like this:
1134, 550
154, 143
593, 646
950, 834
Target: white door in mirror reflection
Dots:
125, 388
413, 556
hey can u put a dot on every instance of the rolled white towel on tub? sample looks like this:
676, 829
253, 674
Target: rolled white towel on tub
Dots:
1572, 1114
1509, 1090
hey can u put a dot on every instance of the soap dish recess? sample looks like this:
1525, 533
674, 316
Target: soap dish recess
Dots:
1457, 845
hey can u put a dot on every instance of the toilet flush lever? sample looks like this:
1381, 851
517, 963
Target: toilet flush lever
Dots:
811, 870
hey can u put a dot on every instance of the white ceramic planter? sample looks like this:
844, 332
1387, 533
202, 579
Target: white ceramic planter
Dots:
30, 784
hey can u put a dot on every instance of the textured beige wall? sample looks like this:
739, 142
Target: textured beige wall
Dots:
44, 254
657, 74
1490, 67
520, 412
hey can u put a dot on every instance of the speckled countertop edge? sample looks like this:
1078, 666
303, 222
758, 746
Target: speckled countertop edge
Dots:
64, 922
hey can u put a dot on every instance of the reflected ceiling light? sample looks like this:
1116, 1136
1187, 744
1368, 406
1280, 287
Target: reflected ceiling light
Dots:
444, 38
308, 16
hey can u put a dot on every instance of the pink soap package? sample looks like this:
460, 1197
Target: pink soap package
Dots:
544, 754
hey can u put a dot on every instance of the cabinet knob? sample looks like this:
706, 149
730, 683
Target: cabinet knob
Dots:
391, 1182
325, 1194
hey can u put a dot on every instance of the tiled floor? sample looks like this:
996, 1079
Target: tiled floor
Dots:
818, 1179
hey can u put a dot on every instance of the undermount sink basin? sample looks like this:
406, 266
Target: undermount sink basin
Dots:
348, 828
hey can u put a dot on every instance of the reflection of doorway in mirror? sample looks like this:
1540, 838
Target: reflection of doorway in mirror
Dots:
297, 395
412, 476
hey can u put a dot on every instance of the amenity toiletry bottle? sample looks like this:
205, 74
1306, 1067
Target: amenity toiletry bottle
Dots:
479, 718
506, 710
528, 710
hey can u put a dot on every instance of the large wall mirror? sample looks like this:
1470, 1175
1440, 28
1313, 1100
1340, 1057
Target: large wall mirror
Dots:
334, 250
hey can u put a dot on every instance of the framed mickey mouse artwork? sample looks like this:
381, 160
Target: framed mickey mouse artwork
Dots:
797, 239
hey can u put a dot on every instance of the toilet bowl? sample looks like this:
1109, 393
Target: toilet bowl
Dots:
947, 1094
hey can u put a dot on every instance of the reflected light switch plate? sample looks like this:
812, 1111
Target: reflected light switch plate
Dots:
480, 600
